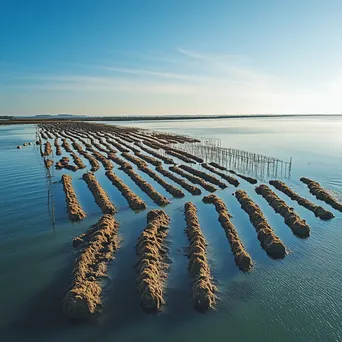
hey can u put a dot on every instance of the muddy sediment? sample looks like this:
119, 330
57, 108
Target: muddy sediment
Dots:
205, 176
193, 179
242, 259
270, 242
230, 179
189, 187
99, 244
298, 226
317, 210
203, 288
134, 201
151, 266
321, 194
101, 197
75, 210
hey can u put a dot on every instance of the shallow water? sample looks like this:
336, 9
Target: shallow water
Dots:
295, 299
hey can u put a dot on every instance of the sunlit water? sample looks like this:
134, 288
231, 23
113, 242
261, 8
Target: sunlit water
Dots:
296, 299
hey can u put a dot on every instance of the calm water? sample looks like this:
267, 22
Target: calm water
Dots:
296, 299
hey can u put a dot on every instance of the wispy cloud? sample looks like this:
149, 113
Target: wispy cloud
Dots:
212, 74
206, 82
99, 84
143, 72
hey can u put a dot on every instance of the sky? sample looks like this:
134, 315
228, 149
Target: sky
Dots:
170, 57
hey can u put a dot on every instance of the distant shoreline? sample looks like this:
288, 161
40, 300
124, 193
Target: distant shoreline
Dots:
205, 117
54, 118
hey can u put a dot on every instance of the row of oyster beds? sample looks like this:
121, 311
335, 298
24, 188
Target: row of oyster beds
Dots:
84, 298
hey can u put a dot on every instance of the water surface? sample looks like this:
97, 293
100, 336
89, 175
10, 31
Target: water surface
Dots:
295, 299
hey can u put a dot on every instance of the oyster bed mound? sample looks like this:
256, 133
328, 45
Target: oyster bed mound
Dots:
193, 179
189, 187
174, 191
321, 194
269, 241
75, 210
242, 259
298, 226
246, 178
134, 201
47, 149
317, 210
230, 179
101, 197
99, 244
48, 163
64, 163
142, 184
203, 288
151, 266
58, 147
203, 175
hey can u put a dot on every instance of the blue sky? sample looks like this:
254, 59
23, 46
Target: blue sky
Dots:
170, 57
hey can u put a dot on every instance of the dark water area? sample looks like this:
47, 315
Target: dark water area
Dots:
294, 299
